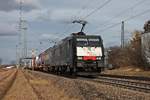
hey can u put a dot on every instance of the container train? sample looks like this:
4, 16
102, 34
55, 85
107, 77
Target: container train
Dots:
77, 53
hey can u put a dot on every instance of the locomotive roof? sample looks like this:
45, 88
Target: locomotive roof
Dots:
71, 36
87, 36
68, 38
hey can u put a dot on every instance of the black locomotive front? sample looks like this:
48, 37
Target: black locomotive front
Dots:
88, 53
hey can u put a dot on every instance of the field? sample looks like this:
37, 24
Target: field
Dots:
128, 71
18, 84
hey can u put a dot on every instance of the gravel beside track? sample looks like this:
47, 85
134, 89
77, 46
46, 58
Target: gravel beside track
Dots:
140, 78
86, 90
135, 85
32, 85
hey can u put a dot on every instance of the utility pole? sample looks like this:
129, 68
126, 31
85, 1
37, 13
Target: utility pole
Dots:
122, 34
33, 64
17, 62
22, 35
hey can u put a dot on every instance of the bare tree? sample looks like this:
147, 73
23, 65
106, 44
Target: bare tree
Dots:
130, 55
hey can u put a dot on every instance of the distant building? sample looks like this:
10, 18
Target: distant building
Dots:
145, 39
147, 27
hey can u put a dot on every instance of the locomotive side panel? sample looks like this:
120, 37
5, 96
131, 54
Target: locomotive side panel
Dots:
46, 57
61, 54
66, 55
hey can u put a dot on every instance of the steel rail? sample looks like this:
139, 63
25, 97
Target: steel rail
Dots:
130, 84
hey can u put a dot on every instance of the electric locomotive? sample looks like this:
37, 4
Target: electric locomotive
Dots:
74, 54
78, 53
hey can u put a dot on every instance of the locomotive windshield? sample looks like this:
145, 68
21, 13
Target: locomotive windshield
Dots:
88, 42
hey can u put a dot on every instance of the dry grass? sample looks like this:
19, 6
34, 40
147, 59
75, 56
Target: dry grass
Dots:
3, 69
6, 81
20, 90
48, 89
130, 71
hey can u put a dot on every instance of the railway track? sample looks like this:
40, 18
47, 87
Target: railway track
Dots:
141, 84
132, 84
140, 78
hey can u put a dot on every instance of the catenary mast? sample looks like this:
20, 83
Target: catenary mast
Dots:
22, 35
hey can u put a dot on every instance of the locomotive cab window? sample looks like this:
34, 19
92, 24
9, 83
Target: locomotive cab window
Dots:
94, 41
82, 41
88, 42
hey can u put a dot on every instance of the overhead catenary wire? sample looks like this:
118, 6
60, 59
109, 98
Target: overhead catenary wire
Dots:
114, 25
92, 12
127, 19
132, 17
97, 9
123, 12
82, 8
75, 16
78, 13
109, 27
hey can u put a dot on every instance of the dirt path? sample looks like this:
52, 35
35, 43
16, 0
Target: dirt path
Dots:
21, 89
3, 70
6, 80
47, 89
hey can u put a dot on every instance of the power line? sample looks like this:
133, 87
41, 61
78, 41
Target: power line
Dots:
132, 17
95, 10
122, 12
78, 13
127, 19
83, 8
70, 27
109, 27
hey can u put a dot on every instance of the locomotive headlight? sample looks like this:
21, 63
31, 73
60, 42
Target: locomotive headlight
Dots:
79, 58
98, 58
